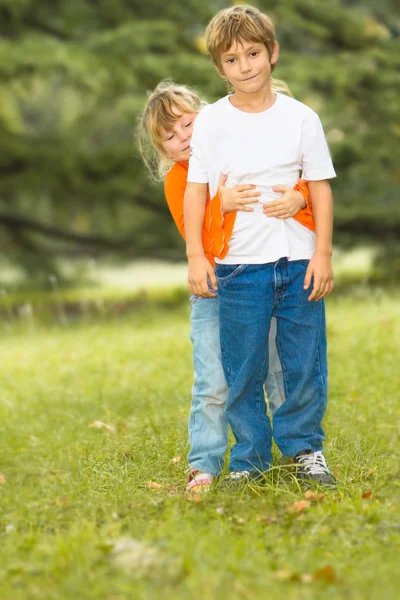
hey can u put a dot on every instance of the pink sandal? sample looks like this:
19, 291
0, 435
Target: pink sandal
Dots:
198, 481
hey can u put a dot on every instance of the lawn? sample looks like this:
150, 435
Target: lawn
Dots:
79, 520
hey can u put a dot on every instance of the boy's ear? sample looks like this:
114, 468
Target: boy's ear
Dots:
275, 54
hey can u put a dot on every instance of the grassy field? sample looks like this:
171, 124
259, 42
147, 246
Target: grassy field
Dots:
77, 516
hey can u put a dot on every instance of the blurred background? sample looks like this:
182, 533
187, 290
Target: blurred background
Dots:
76, 206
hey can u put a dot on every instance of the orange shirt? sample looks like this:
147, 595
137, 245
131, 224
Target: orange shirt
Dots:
217, 228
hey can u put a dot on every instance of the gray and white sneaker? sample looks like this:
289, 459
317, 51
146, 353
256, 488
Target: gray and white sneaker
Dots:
237, 479
312, 467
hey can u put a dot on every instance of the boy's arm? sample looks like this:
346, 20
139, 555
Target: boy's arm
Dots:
320, 267
200, 269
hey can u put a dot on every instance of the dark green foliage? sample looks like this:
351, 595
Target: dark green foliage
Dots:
73, 79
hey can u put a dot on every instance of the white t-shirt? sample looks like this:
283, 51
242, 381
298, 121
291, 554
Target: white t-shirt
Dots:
265, 149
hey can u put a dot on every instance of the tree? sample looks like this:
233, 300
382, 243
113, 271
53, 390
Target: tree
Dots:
73, 79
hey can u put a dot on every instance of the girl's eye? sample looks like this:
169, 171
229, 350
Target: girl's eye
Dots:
170, 137
189, 124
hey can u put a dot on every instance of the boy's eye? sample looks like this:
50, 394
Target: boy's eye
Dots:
230, 60
253, 53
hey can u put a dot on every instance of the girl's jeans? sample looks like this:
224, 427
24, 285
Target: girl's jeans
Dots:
208, 424
249, 295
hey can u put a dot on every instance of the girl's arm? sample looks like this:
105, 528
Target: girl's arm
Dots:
174, 189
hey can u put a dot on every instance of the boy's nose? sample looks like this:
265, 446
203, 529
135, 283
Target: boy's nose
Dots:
245, 66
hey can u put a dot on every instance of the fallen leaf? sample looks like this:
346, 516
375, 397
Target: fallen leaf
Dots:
367, 495
326, 573
101, 425
135, 557
62, 500
2, 478
176, 459
194, 498
239, 520
266, 519
293, 576
284, 575
154, 485
313, 496
299, 506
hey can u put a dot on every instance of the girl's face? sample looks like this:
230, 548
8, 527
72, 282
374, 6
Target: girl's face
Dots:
176, 141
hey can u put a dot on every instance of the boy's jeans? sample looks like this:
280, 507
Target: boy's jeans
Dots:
249, 296
208, 424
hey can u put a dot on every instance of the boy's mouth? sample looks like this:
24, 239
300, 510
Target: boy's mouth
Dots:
249, 78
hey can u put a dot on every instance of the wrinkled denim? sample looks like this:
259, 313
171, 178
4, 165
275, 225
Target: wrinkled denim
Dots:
208, 424
249, 296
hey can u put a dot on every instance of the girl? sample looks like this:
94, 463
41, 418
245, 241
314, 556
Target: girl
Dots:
164, 134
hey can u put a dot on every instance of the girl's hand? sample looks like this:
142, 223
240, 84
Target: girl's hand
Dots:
238, 197
320, 271
289, 205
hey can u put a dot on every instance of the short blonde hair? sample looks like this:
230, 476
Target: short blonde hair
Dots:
241, 24
165, 105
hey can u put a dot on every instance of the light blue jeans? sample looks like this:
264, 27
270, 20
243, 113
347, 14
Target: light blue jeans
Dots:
208, 424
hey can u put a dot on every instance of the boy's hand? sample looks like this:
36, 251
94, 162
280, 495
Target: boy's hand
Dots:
288, 206
200, 271
238, 197
320, 269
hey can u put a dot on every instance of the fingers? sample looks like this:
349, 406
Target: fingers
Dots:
222, 180
244, 188
316, 290
283, 213
213, 280
308, 277
251, 194
201, 289
321, 289
282, 188
326, 288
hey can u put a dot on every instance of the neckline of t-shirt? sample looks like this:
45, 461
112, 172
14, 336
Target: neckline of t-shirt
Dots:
257, 114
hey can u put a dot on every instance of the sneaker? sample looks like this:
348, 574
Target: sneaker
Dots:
312, 467
237, 479
198, 481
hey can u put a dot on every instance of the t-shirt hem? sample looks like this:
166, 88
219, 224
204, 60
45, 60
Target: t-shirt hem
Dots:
197, 179
260, 260
318, 175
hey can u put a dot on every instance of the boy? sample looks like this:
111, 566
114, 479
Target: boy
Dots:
262, 137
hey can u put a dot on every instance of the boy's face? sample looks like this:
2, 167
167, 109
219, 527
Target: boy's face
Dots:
176, 141
247, 66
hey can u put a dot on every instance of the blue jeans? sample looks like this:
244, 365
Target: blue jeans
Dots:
249, 296
208, 423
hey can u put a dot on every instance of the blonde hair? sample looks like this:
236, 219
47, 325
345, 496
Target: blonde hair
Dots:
242, 24
164, 107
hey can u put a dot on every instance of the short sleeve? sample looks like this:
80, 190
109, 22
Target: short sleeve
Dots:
315, 157
198, 171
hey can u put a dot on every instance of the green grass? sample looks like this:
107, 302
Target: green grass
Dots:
71, 492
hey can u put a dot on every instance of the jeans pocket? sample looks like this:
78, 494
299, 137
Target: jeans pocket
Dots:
227, 272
